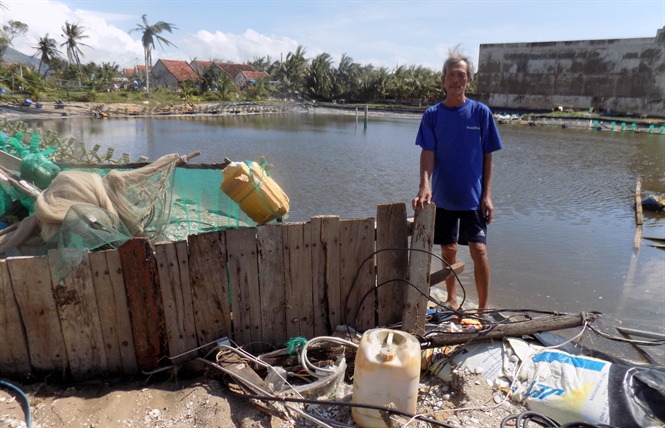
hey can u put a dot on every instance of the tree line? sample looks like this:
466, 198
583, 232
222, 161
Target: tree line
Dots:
295, 77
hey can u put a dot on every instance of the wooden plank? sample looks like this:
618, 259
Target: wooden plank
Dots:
356, 238
241, 249
639, 219
139, 270
123, 320
445, 273
392, 230
512, 329
76, 303
420, 263
31, 282
14, 357
210, 295
325, 274
271, 278
173, 271
637, 239
298, 278
106, 308
10, 162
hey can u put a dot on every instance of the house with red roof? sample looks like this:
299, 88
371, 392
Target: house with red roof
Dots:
173, 73
138, 72
232, 70
244, 77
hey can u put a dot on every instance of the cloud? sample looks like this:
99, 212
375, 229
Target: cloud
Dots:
105, 42
205, 46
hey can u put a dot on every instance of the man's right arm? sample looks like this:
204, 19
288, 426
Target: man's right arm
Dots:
424, 189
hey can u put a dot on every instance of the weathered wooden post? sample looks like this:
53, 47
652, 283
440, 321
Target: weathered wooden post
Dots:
420, 262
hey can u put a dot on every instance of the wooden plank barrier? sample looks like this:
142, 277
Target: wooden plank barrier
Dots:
113, 311
14, 357
392, 258
33, 291
76, 304
141, 307
244, 279
420, 263
173, 269
144, 299
357, 279
298, 280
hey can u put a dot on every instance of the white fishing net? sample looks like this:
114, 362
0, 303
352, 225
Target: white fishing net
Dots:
85, 211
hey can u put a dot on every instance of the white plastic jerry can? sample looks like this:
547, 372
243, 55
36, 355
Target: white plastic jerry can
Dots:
387, 370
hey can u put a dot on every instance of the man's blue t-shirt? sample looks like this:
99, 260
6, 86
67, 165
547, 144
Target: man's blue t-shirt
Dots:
459, 137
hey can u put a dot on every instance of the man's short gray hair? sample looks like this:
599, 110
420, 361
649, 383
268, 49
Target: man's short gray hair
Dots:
453, 58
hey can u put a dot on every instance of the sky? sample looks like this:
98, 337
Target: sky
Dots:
382, 33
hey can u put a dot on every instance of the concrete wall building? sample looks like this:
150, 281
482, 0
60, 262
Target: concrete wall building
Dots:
620, 75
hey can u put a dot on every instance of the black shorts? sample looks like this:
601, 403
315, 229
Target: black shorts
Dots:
459, 227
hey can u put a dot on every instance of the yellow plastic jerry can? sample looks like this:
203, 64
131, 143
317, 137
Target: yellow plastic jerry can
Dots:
255, 192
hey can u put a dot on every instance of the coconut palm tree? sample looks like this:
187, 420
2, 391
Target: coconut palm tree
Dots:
346, 77
320, 79
294, 71
47, 51
260, 63
150, 33
73, 33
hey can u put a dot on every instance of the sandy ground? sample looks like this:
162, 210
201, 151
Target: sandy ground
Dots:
205, 401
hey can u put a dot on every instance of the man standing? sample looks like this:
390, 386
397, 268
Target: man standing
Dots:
457, 137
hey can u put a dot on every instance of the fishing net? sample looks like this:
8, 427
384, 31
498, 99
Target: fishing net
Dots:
88, 209
38, 169
85, 211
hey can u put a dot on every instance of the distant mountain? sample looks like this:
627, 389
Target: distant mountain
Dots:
12, 56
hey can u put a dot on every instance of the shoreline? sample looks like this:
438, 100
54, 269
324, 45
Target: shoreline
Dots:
130, 110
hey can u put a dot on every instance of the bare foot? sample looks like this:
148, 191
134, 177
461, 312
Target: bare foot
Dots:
451, 305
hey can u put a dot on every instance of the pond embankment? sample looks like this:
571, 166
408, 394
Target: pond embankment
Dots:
50, 110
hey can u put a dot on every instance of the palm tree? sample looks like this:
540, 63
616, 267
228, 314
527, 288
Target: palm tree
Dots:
73, 33
150, 33
260, 63
320, 81
294, 71
346, 77
47, 50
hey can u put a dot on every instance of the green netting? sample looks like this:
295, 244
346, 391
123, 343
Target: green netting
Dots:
87, 210
86, 228
37, 169
198, 205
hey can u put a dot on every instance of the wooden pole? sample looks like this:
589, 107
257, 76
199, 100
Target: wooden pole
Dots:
638, 203
512, 329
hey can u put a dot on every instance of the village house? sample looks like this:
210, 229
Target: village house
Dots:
173, 73
135, 73
229, 68
245, 77
233, 71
